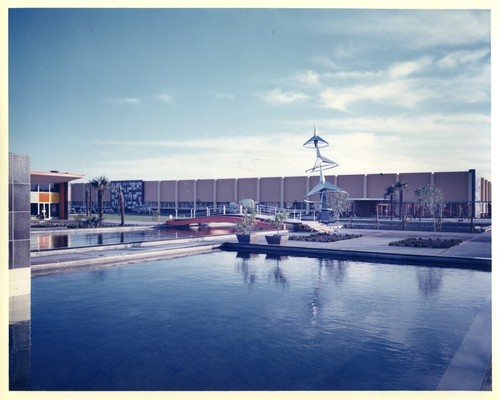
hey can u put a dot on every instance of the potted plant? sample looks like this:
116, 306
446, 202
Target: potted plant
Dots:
278, 222
244, 228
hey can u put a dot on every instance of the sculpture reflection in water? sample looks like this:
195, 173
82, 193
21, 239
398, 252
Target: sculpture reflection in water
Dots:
336, 271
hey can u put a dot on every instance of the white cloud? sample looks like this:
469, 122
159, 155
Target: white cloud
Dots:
401, 93
126, 100
404, 143
224, 95
415, 29
405, 68
459, 58
165, 98
308, 78
277, 97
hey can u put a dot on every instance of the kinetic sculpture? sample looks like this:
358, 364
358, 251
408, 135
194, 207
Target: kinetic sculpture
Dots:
323, 187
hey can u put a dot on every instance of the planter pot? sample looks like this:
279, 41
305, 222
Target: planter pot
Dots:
276, 239
246, 238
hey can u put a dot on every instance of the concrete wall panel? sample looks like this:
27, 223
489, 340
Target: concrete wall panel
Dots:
352, 184
453, 184
295, 188
167, 191
414, 180
376, 184
205, 190
186, 190
226, 190
150, 191
270, 190
247, 188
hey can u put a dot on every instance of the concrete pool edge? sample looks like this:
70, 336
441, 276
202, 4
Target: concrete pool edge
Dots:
466, 262
121, 259
472, 361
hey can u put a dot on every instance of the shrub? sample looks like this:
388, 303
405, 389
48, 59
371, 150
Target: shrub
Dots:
323, 237
427, 243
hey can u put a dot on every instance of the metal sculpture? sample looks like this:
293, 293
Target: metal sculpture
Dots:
321, 164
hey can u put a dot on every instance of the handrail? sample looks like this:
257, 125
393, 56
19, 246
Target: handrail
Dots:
262, 211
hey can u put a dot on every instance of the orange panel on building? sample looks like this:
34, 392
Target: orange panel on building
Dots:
43, 197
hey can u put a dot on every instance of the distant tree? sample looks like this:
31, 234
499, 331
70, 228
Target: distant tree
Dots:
419, 196
121, 205
431, 198
390, 191
339, 203
400, 187
100, 184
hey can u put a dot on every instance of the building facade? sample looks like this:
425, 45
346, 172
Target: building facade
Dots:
465, 193
49, 194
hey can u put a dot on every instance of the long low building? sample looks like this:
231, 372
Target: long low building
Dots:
464, 191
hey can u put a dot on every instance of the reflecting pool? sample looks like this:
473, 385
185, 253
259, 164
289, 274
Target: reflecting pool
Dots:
57, 240
227, 321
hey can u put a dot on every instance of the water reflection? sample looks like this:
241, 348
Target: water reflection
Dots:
99, 274
19, 355
277, 273
243, 266
48, 241
429, 280
336, 269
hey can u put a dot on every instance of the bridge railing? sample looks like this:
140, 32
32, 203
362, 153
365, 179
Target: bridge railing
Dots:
262, 211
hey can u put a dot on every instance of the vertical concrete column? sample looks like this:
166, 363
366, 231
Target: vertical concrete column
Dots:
282, 192
365, 186
432, 178
308, 188
19, 238
258, 190
159, 197
176, 197
195, 194
215, 193
236, 190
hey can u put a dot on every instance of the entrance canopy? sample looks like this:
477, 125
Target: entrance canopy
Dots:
53, 177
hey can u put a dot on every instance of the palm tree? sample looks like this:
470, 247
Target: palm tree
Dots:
400, 187
390, 191
100, 184
88, 200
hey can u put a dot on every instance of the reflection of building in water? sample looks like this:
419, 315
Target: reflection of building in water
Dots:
19, 355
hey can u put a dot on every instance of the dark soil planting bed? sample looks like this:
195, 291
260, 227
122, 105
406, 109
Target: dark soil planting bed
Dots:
323, 237
429, 243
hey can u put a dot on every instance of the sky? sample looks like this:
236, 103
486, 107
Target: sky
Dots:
160, 94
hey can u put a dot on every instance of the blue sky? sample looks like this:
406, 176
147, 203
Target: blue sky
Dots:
214, 93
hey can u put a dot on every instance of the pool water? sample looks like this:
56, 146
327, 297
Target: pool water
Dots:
227, 321
50, 240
